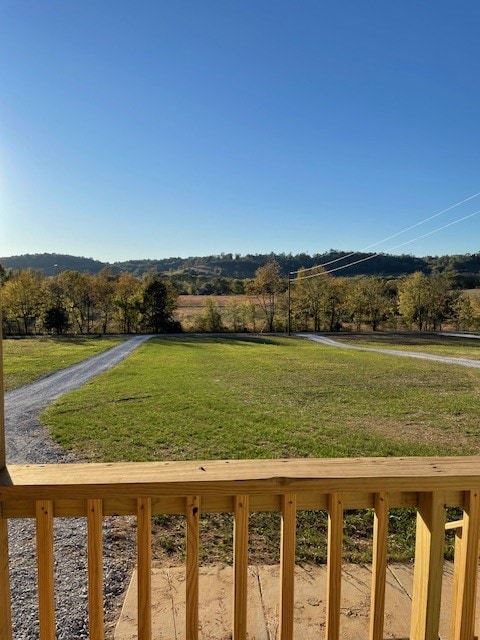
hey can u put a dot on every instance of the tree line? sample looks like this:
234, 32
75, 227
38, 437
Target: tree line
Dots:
85, 303
317, 301
313, 300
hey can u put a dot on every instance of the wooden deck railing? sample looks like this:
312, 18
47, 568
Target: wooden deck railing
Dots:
93, 491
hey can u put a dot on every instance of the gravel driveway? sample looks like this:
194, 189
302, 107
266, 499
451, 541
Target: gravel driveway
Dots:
29, 442
463, 362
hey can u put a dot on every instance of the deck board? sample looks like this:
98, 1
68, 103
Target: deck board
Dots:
263, 597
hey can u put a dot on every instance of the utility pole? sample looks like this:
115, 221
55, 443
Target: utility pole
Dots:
289, 312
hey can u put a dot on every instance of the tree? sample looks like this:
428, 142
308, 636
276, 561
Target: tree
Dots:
267, 285
210, 320
368, 301
308, 294
334, 303
414, 299
464, 314
236, 315
56, 319
426, 300
103, 295
127, 300
79, 300
22, 299
442, 299
3, 275
249, 314
158, 305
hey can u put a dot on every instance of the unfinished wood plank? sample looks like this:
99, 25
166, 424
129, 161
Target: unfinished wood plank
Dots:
467, 567
240, 567
379, 567
3, 460
334, 565
5, 607
457, 526
95, 569
192, 567
144, 568
45, 563
223, 478
427, 577
287, 566
74, 507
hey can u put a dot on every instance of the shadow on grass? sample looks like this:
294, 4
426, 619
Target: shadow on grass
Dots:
68, 339
197, 340
412, 339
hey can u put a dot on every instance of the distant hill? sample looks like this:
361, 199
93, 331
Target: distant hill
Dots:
52, 263
465, 269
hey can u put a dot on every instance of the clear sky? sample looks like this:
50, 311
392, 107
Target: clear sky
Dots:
158, 128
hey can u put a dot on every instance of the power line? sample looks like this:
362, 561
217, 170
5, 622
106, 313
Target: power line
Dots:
375, 244
374, 255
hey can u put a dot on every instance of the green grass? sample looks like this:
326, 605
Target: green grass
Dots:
28, 359
230, 397
200, 398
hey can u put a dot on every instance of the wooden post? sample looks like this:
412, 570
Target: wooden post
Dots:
379, 568
240, 567
428, 571
287, 565
95, 569
5, 606
3, 454
192, 568
45, 561
466, 587
144, 568
334, 565
457, 567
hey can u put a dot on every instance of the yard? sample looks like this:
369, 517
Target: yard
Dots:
268, 397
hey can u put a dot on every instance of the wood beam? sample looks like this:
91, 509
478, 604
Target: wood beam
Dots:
3, 453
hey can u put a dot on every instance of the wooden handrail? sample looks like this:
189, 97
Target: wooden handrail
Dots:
230, 477
242, 487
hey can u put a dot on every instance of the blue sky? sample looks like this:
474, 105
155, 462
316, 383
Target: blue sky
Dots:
150, 129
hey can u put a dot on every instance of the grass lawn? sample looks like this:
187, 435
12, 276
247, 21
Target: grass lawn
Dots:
27, 359
266, 397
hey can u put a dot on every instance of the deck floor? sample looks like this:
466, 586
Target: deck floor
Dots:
168, 587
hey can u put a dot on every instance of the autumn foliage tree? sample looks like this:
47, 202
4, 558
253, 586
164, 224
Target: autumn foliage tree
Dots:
105, 302
22, 298
267, 286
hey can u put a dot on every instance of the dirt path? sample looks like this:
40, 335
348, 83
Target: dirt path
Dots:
29, 442
463, 362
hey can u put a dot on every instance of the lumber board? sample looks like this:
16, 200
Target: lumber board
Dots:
233, 477
95, 569
240, 567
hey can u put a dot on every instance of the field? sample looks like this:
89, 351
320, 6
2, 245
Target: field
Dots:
191, 307
27, 359
263, 397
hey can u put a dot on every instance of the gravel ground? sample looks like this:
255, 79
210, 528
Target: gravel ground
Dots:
28, 442
463, 362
